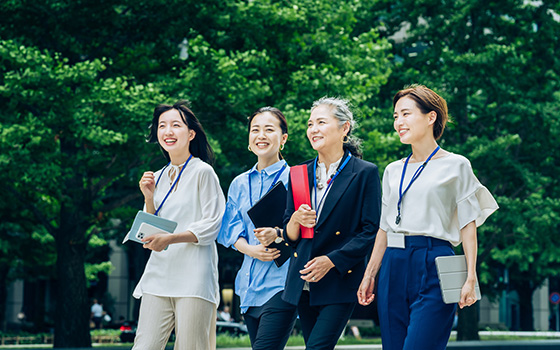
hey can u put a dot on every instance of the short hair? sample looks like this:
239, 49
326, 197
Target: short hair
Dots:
426, 100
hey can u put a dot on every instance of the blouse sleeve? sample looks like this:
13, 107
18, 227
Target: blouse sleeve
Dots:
383, 224
232, 223
474, 201
212, 204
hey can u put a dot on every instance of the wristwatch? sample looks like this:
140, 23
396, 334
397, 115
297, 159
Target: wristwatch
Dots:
279, 238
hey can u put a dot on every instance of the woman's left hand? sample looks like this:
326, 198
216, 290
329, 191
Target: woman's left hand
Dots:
157, 242
316, 268
468, 294
265, 235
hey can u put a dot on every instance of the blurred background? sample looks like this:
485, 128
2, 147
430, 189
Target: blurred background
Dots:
80, 79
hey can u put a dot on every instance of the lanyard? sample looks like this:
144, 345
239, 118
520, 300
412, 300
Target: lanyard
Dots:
414, 177
317, 206
174, 183
271, 185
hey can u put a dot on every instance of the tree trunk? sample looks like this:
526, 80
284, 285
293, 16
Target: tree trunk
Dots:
72, 306
525, 293
3, 296
467, 327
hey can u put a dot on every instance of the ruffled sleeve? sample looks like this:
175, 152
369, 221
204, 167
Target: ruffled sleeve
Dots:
475, 202
383, 223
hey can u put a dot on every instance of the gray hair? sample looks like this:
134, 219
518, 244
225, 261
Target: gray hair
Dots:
341, 111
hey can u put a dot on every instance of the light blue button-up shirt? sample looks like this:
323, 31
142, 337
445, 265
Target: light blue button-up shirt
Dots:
257, 281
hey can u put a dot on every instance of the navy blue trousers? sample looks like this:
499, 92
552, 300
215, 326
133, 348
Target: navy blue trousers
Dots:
270, 325
322, 325
412, 314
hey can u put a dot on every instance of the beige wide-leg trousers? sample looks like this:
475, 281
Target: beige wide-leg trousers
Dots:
194, 320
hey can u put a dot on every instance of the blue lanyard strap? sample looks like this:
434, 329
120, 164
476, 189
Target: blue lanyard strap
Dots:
278, 174
174, 183
414, 177
318, 205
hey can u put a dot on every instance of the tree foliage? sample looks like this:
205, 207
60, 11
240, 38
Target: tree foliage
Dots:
497, 65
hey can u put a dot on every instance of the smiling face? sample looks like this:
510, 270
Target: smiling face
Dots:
410, 123
323, 130
174, 135
265, 136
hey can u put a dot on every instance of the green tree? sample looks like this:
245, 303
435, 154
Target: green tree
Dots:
497, 65
75, 124
67, 136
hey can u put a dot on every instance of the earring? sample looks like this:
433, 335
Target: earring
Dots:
282, 147
345, 139
249, 148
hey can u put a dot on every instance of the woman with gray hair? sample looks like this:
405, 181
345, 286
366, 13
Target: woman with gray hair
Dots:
325, 271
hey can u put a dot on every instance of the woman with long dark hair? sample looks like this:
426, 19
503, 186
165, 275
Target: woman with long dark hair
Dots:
179, 286
260, 282
325, 271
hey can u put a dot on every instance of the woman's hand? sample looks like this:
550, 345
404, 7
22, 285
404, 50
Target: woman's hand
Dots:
157, 242
305, 216
365, 292
265, 235
148, 185
468, 293
316, 269
263, 253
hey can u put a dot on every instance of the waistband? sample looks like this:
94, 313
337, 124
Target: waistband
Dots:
424, 241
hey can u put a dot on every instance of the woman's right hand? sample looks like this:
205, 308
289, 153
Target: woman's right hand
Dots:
305, 216
148, 185
365, 292
263, 253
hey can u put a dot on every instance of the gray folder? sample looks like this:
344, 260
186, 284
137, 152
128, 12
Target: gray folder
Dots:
157, 221
452, 274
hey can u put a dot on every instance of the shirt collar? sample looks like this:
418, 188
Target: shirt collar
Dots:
271, 169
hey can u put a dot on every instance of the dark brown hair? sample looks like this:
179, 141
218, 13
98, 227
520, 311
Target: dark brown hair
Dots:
427, 101
199, 146
275, 112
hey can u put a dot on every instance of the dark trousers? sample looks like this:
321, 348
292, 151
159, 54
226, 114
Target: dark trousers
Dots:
270, 325
322, 325
412, 313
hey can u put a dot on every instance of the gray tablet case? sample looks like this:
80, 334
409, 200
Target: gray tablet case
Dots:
157, 221
452, 274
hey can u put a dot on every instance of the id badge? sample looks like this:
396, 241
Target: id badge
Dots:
395, 240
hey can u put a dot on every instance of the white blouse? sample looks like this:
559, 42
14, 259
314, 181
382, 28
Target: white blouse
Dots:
441, 201
187, 269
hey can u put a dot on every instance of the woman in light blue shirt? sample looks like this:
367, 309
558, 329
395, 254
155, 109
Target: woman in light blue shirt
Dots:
260, 282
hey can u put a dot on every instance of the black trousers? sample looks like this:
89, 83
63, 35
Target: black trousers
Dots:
322, 325
270, 325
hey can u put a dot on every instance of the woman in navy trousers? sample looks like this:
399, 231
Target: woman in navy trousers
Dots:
432, 201
325, 271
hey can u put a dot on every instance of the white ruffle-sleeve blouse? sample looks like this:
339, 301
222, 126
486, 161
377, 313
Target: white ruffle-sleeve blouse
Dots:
441, 201
197, 205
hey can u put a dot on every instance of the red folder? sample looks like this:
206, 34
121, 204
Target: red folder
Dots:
300, 192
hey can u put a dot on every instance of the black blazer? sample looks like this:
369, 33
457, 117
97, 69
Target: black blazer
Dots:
345, 233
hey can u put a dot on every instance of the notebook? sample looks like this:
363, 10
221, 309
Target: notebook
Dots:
151, 220
452, 274
269, 212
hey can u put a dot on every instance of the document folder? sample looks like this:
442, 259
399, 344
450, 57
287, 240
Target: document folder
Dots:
300, 192
269, 212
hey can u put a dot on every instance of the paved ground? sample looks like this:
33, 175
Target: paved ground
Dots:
467, 345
